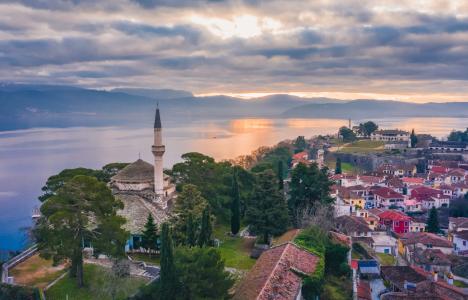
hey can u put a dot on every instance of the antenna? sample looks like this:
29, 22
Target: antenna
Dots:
139, 155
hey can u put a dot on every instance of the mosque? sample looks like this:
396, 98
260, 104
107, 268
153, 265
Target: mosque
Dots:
144, 189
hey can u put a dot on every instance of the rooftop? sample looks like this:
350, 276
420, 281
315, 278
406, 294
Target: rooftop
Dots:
139, 171
275, 275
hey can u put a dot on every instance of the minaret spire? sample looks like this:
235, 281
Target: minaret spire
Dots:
158, 150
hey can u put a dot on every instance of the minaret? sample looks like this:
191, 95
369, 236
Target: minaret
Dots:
158, 151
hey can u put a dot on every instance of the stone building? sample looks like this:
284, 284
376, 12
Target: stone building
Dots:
144, 189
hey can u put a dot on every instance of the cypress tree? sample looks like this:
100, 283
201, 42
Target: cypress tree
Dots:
413, 139
433, 221
338, 166
280, 175
206, 230
150, 234
191, 231
168, 279
235, 205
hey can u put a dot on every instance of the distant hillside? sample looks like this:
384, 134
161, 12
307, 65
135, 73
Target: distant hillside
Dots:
372, 108
27, 106
153, 93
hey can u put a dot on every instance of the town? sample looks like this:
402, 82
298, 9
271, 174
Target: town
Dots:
366, 213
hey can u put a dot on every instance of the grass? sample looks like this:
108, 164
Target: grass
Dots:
36, 272
154, 259
337, 288
363, 146
460, 284
94, 286
356, 255
234, 250
386, 259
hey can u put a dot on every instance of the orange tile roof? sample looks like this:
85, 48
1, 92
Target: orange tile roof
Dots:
275, 274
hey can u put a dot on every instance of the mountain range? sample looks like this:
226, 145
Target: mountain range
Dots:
27, 106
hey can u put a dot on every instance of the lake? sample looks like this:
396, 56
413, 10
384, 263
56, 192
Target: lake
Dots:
29, 157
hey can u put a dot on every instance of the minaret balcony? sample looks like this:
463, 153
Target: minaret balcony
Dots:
158, 150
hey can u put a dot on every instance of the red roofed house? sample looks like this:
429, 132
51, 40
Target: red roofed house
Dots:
430, 197
455, 176
395, 220
301, 157
409, 181
385, 197
277, 274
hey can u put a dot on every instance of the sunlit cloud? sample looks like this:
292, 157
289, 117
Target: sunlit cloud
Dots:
403, 50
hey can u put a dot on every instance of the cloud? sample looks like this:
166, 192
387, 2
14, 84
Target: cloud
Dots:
240, 45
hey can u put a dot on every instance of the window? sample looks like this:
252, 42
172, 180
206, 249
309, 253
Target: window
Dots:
464, 243
406, 224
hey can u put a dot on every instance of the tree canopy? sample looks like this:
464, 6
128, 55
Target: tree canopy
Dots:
458, 136
413, 139
309, 186
82, 210
367, 128
347, 134
338, 169
300, 144
235, 205
150, 234
267, 215
190, 203
433, 221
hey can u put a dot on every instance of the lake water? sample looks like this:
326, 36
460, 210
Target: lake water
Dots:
29, 157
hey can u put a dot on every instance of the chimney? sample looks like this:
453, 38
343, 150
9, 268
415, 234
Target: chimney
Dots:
435, 276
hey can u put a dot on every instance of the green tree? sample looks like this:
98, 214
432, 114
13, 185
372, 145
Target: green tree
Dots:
338, 166
458, 136
280, 175
413, 139
267, 214
206, 229
189, 202
433, 221
202, 274
347, 134
55, 182
150, 234
235, 205
168, 278
309, 187
191, 231
82, 210
212, 179
368, 128
405, 190
300, 144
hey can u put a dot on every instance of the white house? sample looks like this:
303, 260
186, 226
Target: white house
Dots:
460, 241
384, 243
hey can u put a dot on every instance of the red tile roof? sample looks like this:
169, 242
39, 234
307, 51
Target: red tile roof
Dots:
387, 193
274, 275
393, 215
413, 180
425, 238
300, 155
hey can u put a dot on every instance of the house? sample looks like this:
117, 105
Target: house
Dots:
386, 197
448, 146
436, 201
458, 224
384, 243
412, 205
300, 157
412, 181
430, 197
371, 219
416, 284
353, 226
390, 135
417, 226
431, 260
461, 189
460, 242
409, 242
455, 176
401, 278
395, 221
448, 190
277, 274
395, 184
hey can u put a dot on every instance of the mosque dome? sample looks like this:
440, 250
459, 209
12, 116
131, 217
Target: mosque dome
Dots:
137, 172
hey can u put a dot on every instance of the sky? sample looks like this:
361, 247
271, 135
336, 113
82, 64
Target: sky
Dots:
413, 50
